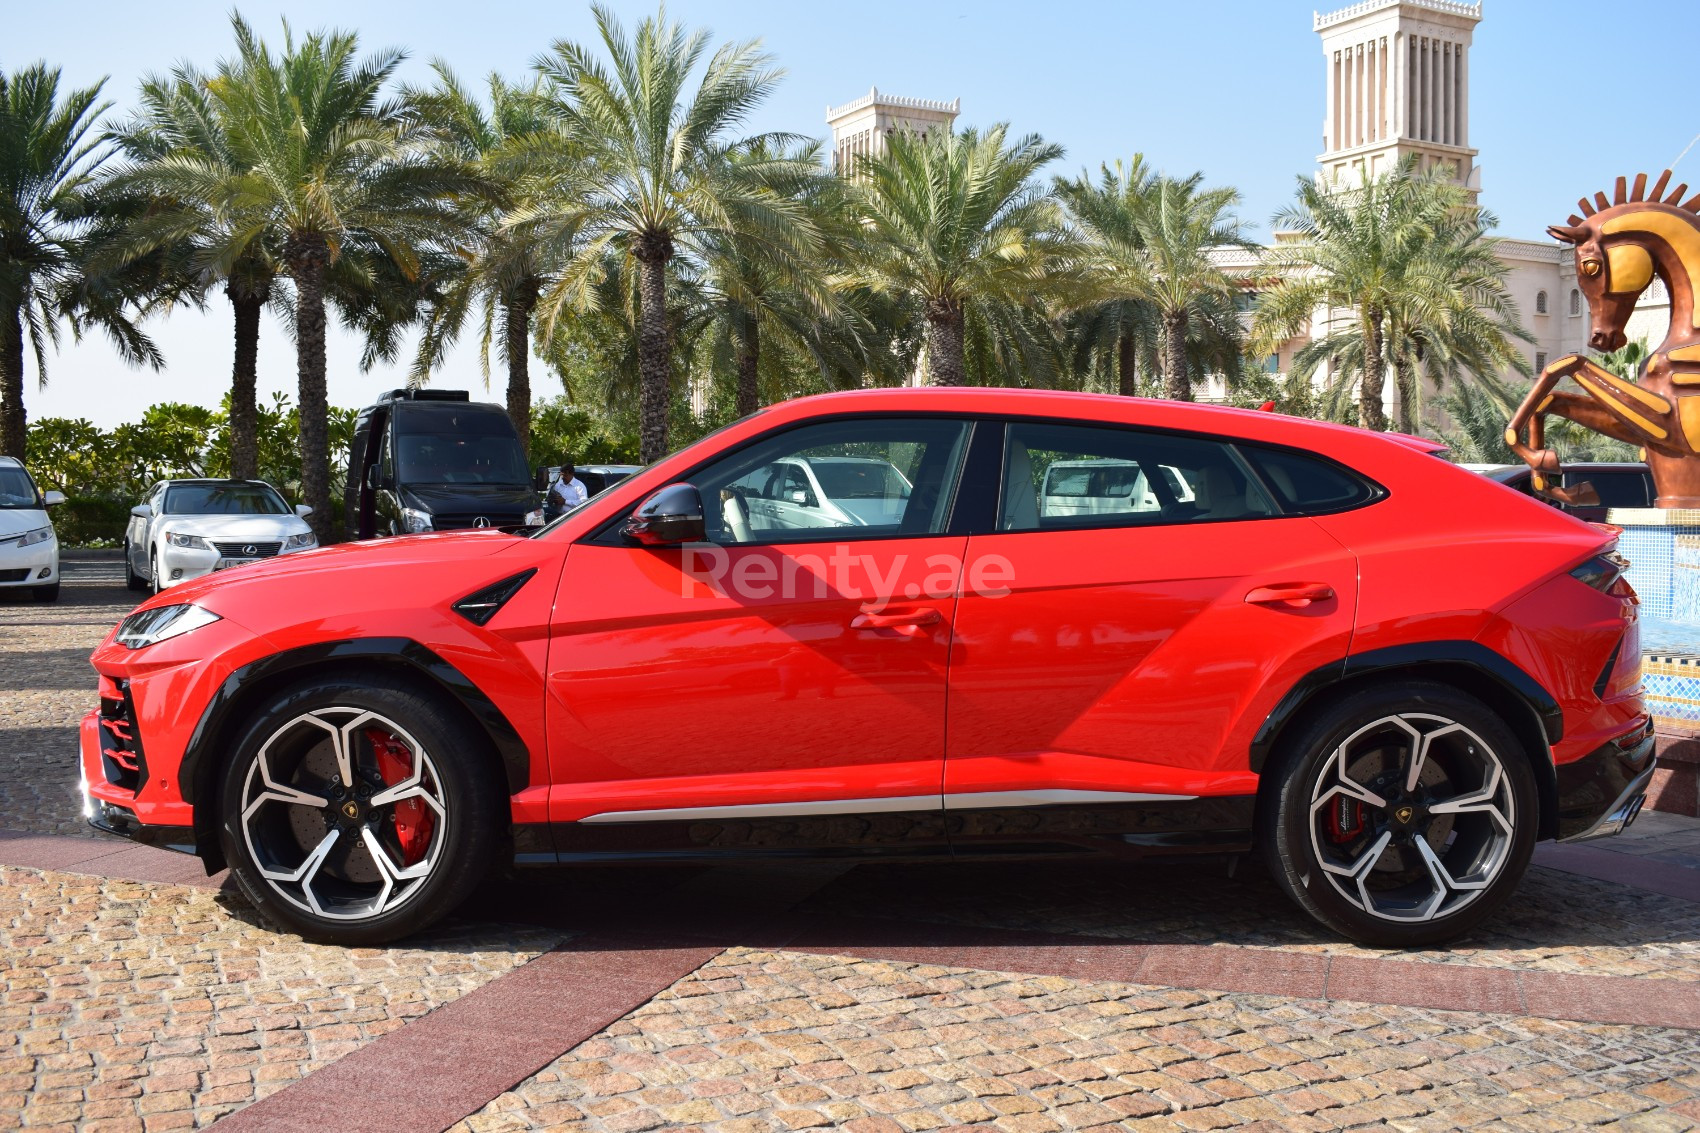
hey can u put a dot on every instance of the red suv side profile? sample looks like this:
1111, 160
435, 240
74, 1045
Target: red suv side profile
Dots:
1024, 623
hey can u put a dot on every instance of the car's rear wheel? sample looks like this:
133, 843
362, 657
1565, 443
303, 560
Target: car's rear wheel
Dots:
1400, 816
356, 814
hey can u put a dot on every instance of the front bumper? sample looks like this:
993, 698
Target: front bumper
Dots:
36, 565
181, 564
1602, 793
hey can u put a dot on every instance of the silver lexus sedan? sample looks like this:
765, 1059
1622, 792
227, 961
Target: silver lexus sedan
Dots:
187, 528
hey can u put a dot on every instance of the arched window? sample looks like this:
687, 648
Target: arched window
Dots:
1575, 301
1540, 302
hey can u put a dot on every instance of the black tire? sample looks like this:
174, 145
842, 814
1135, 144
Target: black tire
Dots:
462, 850
1305, 815
132, 580
48, 593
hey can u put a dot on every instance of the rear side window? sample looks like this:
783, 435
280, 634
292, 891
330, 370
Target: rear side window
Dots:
1076, 476
1306, 485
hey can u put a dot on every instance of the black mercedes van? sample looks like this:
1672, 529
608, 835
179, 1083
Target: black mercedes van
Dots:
435, 460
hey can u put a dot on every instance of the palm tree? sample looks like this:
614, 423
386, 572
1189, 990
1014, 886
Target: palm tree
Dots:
321, 169
1407, 255
1118, 325
753, 286
957, 223
656, 178
51, 216
516, 143
178, 136
1177, 225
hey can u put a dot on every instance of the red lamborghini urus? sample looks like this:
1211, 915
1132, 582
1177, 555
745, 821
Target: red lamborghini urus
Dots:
909, 624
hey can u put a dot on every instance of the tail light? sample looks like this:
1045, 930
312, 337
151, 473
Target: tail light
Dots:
1604, 572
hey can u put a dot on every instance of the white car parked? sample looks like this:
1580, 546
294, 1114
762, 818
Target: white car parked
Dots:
822, 491
188, 528
29, 550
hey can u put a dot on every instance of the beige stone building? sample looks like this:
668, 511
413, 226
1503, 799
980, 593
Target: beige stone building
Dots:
860, 127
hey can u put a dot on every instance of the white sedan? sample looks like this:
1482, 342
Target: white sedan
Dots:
29, 551
188, 528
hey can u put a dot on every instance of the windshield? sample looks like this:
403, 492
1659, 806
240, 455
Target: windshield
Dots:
861, 480
16, 489
223, 499
456, 458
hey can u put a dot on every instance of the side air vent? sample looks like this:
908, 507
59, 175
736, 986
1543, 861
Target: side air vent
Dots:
482, 605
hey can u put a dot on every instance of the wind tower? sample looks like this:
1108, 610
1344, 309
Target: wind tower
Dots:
860, 128
1398, 74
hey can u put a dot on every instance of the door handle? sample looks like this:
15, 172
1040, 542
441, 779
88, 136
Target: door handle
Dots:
1292, 593
906, 622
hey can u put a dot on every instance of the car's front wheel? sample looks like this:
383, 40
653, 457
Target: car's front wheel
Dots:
132, 580
1400, 816
359, 813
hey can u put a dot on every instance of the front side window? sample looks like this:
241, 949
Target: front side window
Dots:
1072, 476
857, 478
223, 499
17, 490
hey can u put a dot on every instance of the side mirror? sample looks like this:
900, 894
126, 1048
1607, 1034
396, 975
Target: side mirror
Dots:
303, 510
372, 477
142, 511
540, 478
53, 498
671, 516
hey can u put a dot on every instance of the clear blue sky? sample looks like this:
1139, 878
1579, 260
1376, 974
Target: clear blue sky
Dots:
1231, 88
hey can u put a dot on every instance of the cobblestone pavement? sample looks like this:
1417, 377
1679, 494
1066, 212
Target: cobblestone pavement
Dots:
131, 1006
137, 1006
1555, 922
46, 685
759, 1041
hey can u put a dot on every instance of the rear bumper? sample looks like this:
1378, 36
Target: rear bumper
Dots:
1601, 793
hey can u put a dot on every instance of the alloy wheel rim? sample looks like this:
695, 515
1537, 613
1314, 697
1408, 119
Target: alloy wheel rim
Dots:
344, 814
1412, 817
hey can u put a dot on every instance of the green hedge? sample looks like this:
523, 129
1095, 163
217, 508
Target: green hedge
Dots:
87, 521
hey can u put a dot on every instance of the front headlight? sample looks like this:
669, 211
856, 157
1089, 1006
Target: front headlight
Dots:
413, 520
149, 627
192, 541
534, 518
39, 535
307, 539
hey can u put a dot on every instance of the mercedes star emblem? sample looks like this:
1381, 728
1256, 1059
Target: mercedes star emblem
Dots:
481, 521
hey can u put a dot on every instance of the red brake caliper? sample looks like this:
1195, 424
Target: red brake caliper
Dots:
414, 821
1348, 819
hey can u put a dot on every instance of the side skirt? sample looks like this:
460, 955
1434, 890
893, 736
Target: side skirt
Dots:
1122, 829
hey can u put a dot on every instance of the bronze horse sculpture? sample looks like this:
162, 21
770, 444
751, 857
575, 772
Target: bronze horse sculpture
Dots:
1621, 244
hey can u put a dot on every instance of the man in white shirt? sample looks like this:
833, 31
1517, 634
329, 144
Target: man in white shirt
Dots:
568, 489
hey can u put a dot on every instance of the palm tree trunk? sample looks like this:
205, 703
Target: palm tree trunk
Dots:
655, 363
749, 364
1177, 384
1127, 361
309, 257
1409, 409
244, 378
14, 430
1370, 413
518, 311
945, 364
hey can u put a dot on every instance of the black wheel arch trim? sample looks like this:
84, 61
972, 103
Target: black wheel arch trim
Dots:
1541, 704
199, 768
